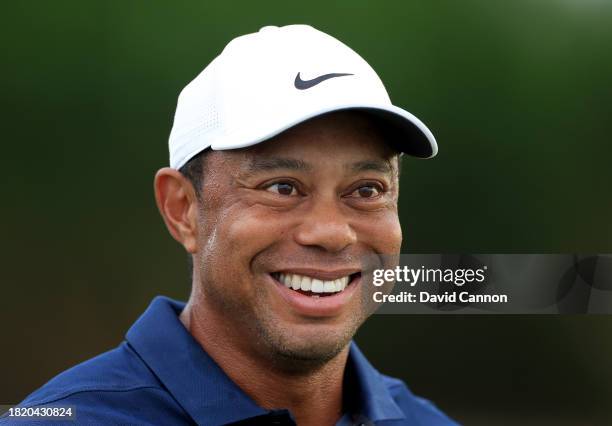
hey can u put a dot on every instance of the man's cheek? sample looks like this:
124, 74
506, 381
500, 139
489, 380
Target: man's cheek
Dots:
395, 237
383, 234
252, 232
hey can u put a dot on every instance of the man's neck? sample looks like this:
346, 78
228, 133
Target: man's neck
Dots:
314, 395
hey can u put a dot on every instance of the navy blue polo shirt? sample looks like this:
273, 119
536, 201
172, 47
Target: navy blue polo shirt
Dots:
161, 376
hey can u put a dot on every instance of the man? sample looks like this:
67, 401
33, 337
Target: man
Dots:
283, 179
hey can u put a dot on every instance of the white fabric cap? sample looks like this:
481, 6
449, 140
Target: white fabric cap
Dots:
266, 82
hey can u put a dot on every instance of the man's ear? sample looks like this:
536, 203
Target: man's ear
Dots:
178, 204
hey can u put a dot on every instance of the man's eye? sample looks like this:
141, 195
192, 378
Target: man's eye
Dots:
283, 188
366, 191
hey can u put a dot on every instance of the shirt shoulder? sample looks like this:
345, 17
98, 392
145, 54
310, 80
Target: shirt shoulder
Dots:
115, 387
419, 411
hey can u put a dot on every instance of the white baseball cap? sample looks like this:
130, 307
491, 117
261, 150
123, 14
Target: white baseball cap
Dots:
266, 82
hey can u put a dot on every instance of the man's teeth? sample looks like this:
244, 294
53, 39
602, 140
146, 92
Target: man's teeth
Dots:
314, 285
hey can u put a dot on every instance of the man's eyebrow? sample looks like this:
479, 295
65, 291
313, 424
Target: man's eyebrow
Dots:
370, 165
259, 164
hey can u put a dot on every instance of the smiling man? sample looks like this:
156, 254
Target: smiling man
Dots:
283, 178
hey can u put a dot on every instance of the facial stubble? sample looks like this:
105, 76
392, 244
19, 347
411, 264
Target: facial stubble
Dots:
259, 329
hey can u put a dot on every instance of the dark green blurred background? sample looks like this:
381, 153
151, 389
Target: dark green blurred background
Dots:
517, 93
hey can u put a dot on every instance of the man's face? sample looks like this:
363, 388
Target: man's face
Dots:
299, 211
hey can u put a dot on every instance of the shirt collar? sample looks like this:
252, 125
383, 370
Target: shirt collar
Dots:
374, 400
206, 393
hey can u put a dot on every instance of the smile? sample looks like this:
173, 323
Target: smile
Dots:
317, 293
312, 286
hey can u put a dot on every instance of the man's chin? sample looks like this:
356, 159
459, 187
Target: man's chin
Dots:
304, 358
307, 347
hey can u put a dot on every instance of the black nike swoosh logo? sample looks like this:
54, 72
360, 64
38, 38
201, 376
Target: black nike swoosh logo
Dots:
307, 84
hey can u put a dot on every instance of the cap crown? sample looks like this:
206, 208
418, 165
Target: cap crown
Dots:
266, 82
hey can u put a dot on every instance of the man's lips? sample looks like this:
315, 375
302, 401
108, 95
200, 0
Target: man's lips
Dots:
316, 293
316, 283
322, 274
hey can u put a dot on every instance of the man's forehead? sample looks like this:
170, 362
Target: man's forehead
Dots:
264, 162
348, 141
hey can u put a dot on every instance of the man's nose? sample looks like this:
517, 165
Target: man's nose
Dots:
327, 227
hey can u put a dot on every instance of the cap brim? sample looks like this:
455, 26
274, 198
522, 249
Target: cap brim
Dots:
402, 130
